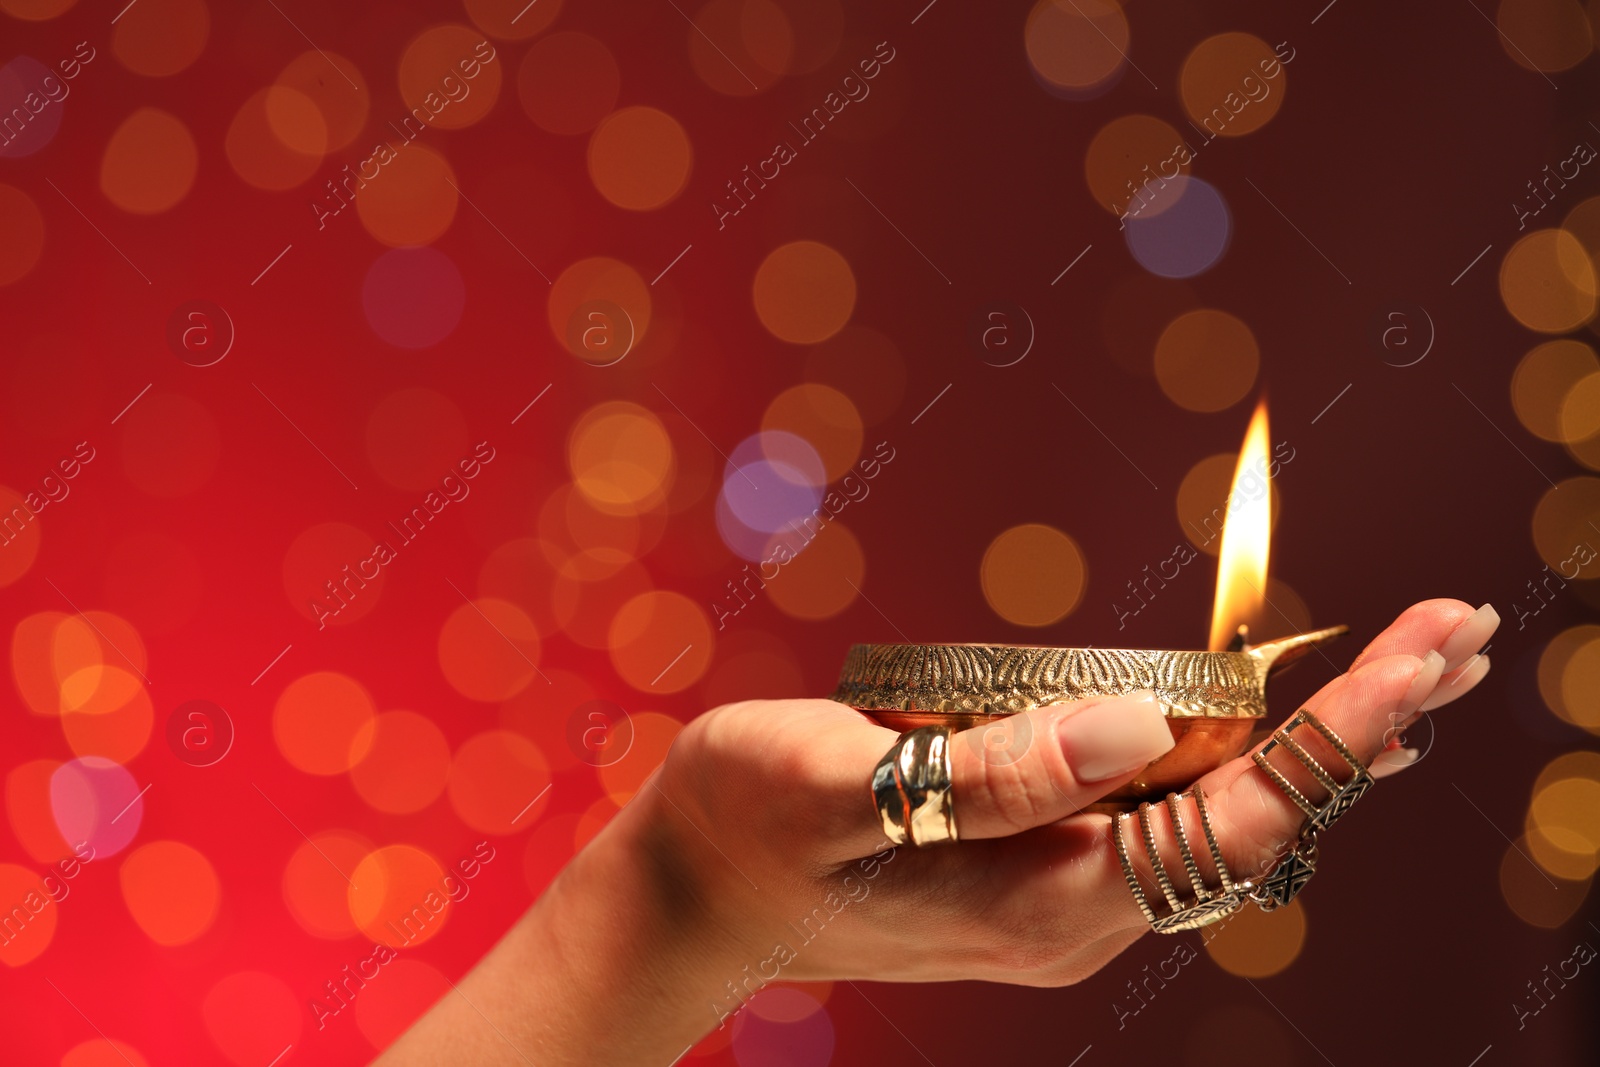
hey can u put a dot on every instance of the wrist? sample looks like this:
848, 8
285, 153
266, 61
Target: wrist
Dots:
640, 928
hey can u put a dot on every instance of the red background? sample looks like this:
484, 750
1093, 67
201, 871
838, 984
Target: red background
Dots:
1402, 140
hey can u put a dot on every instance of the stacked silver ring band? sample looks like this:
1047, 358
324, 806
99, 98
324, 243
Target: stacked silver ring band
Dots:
1204, 903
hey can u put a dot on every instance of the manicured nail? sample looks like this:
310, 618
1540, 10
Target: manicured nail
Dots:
1421, 686
1473, 633
1113, 738
1393, 762
1450, 688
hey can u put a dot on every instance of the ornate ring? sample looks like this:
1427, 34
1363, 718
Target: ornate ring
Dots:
911, 788
1203, 905
1340, 796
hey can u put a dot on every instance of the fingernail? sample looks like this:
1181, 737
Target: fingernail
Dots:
1422, 685
1460, 685
1393, 762
1471, 635
1114, 738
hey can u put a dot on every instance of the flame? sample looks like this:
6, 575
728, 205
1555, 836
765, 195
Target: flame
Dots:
1246, 534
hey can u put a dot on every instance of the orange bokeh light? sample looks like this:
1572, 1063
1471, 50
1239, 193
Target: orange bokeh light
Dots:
35, 10
1206, 360
398, 896
494, 778
621, 457
413, 199
99, 691
326, 79
28, 809
24, 941
320, 722
598, 280
1259, 944
825, 417
489, 649
22, 535
256, 151
1542, 380
171, 890
804, 292
296, 121
1130, 159
316, 881
1580, 686
740, 47
158, 38
406, 765
1033, 575
1561, 522
1076, 45
661, 642
23, 226
1232, 84
588, 543
117, 724
640, 158
823, 579
1535, 897
33, 662
1547, 282
103, 1052
85, 647
1544, 35
1558, 651
449, 77
512, 21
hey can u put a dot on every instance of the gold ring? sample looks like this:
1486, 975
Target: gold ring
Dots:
911, 789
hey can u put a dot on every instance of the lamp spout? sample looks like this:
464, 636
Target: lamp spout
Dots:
1270, 656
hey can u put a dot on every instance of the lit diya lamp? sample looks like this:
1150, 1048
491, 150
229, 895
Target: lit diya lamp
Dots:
1213, 700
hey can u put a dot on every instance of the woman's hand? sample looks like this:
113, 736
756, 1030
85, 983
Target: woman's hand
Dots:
771, 800
754, 854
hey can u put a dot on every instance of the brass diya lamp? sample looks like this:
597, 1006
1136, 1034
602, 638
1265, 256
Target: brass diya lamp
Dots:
1213, 700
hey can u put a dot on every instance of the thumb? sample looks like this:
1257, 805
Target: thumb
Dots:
1038, 766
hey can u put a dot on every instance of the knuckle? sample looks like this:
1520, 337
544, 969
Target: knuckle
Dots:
1013, 792
1253, 844
720, 734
